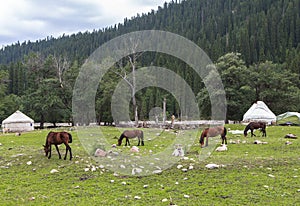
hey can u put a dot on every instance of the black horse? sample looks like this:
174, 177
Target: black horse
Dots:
256, 125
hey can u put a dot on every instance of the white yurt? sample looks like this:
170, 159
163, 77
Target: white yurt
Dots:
259, 111
18, 122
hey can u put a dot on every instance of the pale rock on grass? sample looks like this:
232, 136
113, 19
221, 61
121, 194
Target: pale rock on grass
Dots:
165, 200
134, 149
212, 166
222, 148
53, 171
29, 163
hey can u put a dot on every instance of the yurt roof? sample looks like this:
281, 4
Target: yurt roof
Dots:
17, 117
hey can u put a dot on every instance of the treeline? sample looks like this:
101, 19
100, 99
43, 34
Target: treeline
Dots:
37, 77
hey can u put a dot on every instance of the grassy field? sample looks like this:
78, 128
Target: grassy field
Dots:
249, 174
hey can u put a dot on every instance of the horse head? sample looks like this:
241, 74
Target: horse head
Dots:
119, 142
46, 149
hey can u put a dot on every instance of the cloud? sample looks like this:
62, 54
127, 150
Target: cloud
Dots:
22, 20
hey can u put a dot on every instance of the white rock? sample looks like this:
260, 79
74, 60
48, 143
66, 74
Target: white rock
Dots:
212, 166
179, 166
100, 153
184, 170
157, 171
186, 196
112, 181
191, 167
86, 169
29, 163
165, 200
145, 186
222, 148
123, 183
53, 171
134, 149
271, 175
136, 171
137, 197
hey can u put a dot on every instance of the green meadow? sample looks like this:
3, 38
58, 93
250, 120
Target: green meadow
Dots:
248, 173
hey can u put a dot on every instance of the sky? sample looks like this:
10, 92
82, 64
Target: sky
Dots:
23, 20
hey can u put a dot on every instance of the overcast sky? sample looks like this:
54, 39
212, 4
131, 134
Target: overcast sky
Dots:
22, 20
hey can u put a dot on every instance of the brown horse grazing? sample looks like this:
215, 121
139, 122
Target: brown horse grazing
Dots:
57, 138
256, 125
129, 134
212, 132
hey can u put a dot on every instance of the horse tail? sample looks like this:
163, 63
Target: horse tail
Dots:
70, 138
201, 141
246, 130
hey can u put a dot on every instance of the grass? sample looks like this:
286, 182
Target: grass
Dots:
251, 174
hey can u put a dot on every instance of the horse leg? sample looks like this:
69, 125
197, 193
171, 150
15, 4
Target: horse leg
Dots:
252, 134
58, 151
68, 148
127, 142
49, 156
224, 140
206, 143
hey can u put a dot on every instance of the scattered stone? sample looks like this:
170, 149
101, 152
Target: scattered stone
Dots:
178, 152
165, 200
270, 175
123, 183
157, 172
212, 166
259, 142
137, 197
186, 196
145, 186
222, 148
53, 171
291, 136
29, 163
136, 171
134, 149
32, 198
179, 166
112, 181
288, 143
100, 153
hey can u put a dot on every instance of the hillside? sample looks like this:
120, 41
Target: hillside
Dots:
260, 30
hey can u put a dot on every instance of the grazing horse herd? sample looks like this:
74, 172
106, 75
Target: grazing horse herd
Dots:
57, 138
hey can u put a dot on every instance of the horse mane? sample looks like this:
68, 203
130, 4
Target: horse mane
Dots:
203, 135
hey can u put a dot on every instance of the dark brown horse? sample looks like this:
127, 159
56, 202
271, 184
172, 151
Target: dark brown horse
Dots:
129, 134
212, 132
256, 125
57, 138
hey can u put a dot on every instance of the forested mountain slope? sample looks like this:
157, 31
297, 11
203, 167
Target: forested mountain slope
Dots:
255, 45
